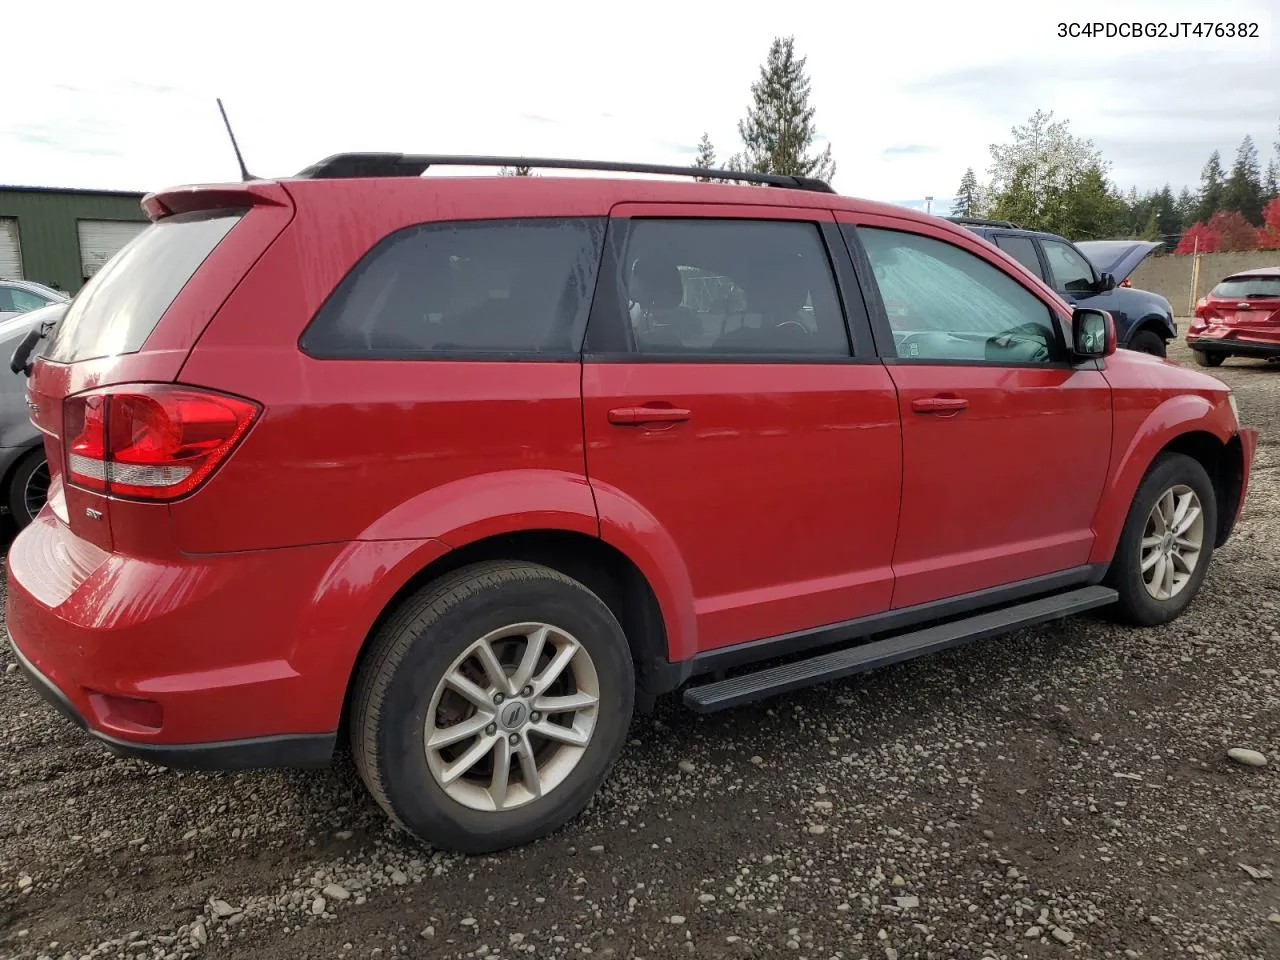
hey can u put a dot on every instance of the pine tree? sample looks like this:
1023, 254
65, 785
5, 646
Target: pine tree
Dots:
706, 158
1152, 229
1243, 189
1187, 207
968, 201
1271, 185
1211, 187
778, 132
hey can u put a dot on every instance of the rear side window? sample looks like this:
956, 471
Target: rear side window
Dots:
1242, 288
118, 308
1022, 249
519, 288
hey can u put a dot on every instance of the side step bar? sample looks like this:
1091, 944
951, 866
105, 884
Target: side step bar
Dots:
735, 691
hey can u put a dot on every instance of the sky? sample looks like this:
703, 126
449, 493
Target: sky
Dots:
121, 95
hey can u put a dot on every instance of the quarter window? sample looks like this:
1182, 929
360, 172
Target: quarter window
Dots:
493, 287
946, 304
749, 288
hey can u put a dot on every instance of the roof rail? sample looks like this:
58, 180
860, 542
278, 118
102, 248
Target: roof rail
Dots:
981, 222
346, 165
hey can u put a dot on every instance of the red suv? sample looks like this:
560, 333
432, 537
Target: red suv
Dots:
469, 468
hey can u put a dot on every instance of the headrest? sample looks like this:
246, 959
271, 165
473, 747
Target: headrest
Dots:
656, 283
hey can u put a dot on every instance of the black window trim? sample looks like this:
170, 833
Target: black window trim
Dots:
572, 354
609, 336
882, 330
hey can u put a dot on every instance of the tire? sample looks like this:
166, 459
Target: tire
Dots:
1137, 605
1148, 341
400, 691
1206, 359
28, 487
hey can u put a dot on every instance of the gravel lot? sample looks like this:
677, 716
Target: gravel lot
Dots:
1064, 791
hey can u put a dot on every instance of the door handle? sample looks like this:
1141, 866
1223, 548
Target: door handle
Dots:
630, 416
939, 404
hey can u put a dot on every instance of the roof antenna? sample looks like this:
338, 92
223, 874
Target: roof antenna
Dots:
244, 171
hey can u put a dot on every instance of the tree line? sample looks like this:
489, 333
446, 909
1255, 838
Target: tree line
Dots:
1047, 178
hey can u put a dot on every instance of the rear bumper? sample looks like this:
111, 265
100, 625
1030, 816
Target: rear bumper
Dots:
305, 750
238, 660
1235, 345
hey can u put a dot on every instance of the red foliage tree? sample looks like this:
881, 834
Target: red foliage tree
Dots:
1269, 232
1234, 231
1198, 238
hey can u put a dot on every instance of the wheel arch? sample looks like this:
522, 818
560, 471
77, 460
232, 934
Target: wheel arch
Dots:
603, 568
1224, 462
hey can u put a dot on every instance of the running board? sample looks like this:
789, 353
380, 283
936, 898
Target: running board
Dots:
735, 691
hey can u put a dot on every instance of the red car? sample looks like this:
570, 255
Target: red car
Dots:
468, 469
1239, 318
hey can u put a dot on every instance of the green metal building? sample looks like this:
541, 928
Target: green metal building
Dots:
62, 237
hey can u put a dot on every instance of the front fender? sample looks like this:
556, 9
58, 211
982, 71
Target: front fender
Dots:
1136, 445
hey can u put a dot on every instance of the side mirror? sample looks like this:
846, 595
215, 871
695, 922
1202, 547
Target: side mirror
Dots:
20, 362
1106, 282
1093, 333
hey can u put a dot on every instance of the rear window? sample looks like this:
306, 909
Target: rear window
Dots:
490, 288
1242, 288
118, 308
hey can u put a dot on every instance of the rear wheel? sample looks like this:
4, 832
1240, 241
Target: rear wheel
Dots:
1209, 359
29, 487
1164, 550
492, 706
1148, 341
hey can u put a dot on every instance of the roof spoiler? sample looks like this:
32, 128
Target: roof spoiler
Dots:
222, 196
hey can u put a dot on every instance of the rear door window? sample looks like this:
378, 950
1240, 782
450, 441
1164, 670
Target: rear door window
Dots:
118, 308
1022, 249
491, 288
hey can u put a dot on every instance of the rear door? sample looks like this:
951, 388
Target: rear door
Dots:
1006, 445
723, 398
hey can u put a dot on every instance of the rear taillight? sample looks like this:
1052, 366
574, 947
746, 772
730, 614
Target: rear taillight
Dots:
150, 441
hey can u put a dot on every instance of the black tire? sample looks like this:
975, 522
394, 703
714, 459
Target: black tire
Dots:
1148, 341
1136, 605
407, 661
23, 502
1206, 359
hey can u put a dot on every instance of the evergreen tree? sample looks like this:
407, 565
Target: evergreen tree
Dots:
1152, 230
1211, 188
968, 201
706, 158
1187, 207
1271, 185
1243, 189
778, 132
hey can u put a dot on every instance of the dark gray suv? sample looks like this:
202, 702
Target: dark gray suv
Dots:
1090, 274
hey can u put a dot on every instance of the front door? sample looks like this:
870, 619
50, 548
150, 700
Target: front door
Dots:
1006, 445
724, 402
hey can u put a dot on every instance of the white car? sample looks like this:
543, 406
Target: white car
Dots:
23, 296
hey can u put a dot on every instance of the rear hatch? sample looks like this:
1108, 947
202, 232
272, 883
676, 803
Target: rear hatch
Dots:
103, 392
1117, 257
1245, 300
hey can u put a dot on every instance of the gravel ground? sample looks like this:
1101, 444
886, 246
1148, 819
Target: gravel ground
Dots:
1061, 792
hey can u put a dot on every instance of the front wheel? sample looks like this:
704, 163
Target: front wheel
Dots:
1167, 541
1148, 341
492, 705
1206, 359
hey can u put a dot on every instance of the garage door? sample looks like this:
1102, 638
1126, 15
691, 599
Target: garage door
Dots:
100, 240
10, 250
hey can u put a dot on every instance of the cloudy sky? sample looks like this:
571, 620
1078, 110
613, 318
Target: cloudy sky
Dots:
121, 95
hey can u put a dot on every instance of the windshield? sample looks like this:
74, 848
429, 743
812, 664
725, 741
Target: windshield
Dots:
1244, 288
116, 311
